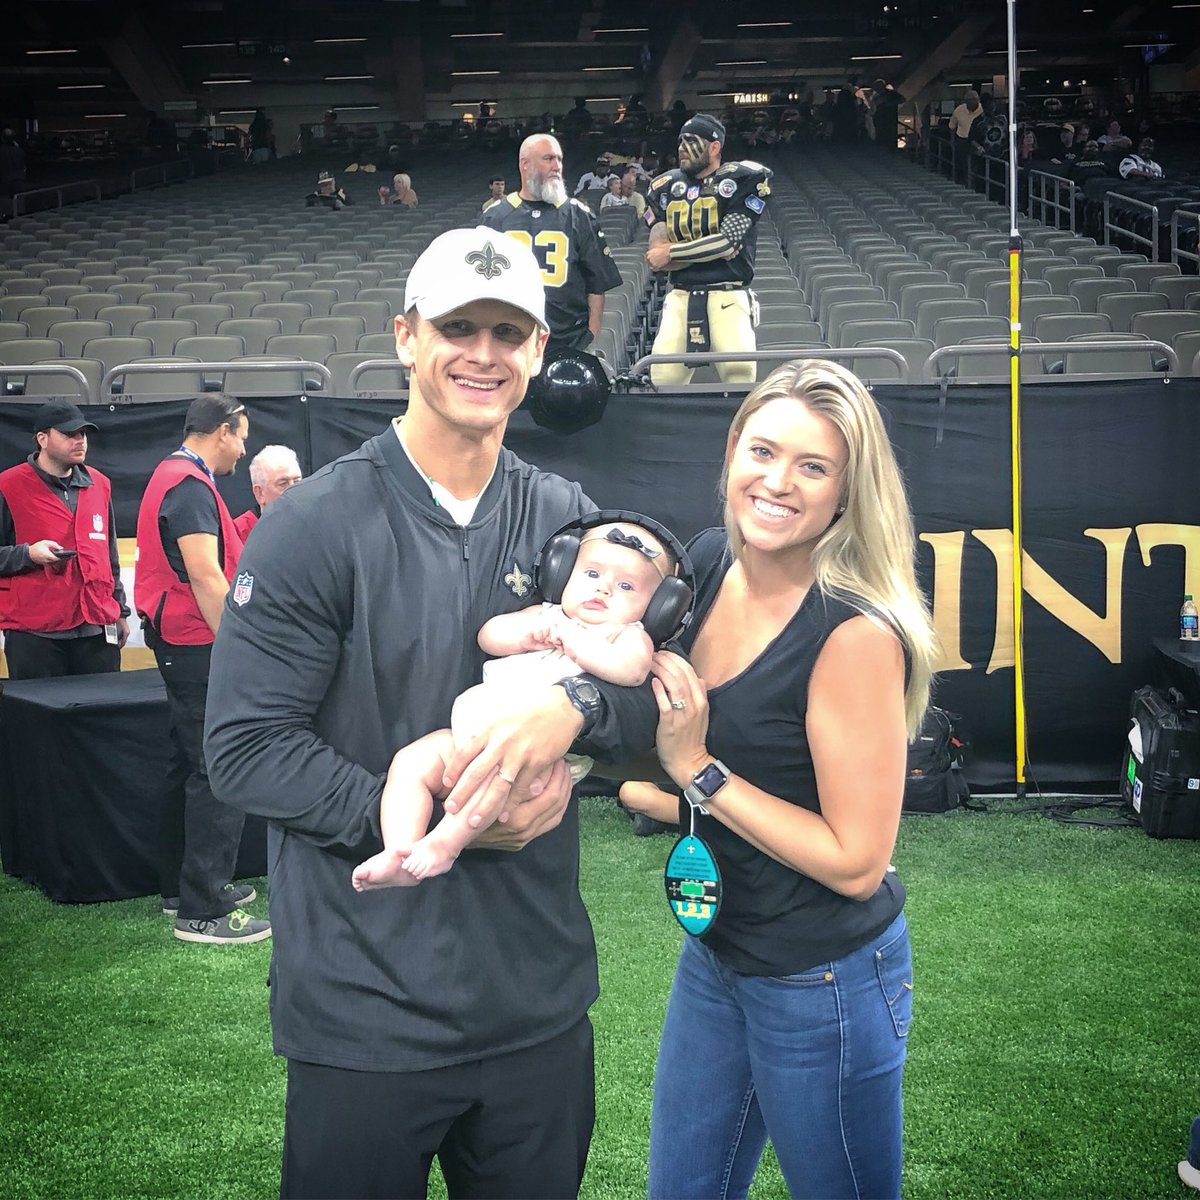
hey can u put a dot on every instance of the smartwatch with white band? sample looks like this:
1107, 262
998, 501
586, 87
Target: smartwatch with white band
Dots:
706, 783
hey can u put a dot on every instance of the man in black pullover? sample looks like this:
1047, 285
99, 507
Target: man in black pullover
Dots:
449, 1018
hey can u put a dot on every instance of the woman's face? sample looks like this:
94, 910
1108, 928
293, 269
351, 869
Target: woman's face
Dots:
786, 474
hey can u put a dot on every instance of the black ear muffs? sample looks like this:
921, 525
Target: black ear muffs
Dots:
555, 564
670, 608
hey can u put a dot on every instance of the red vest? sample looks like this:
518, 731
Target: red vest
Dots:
245, 523
53, 598
159, 594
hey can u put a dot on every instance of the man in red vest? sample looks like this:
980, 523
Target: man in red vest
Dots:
273, 470
187, 553
62, 605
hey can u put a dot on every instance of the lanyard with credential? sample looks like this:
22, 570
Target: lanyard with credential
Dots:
199, 462
693, 881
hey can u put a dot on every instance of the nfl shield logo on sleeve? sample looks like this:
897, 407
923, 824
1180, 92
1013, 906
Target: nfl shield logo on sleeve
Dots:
243, 585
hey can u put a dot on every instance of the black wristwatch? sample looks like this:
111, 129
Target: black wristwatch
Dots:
585, 696
706, 783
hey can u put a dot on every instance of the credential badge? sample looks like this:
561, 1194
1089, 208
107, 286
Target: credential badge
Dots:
518, 582
243, 585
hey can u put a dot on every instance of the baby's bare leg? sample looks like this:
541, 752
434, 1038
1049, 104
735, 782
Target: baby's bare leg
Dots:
414, 779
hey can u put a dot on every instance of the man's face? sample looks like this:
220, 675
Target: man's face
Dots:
63, 450
471, 367
280, 476
1146, 148
326, 186
542, 163
231, 445
497, 186
696, 154
628, 183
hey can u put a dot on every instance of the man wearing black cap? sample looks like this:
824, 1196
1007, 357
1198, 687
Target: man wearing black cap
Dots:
703, 219
62, 605
328, 194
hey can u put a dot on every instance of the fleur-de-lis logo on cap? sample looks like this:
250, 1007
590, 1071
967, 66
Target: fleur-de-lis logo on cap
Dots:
487, 262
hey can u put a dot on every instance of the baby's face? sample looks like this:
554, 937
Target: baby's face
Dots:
610, 585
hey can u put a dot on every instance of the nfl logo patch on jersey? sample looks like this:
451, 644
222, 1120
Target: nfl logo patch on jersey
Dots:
243, 585
754, 204
726, 188
692, 193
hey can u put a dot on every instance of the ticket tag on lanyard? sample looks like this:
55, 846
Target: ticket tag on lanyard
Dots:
693, 883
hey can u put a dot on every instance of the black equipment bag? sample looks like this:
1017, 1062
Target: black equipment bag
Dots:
935, 780
1163, 788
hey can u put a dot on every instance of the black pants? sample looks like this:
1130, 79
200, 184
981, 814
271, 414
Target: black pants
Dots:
212, 831
517, 1125
31, 656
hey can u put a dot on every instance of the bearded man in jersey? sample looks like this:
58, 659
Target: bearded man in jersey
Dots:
703, 218
566, 240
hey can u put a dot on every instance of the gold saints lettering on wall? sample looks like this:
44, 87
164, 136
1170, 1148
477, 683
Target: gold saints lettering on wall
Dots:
1102, 630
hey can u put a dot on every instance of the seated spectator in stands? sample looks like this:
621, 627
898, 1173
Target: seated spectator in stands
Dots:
495, 190
273, 470
1027, 147
595, 180
328, 194
1065, 154
1089, 165
613, 197
630, 193
403, 193
1113, 140
12, 164
1141, 165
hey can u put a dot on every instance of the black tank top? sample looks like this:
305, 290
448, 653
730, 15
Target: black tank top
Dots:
774, 920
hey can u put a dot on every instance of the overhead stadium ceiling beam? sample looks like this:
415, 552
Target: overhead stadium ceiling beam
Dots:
957, 45
676, 60
152, 78
408, 73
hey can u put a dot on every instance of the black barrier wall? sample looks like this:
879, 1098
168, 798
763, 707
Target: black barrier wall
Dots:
1111, 514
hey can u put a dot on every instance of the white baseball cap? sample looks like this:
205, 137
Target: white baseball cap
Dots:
466, 265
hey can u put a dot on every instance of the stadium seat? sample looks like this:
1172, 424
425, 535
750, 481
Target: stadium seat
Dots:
39, 320
929, 312
1089, 291
345, 330
254, 331
74, 335
46, 386
1123, 307
289, 314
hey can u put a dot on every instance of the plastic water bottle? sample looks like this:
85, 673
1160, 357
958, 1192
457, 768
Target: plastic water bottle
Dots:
1189, 630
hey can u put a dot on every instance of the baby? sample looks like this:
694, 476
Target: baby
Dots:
596, 629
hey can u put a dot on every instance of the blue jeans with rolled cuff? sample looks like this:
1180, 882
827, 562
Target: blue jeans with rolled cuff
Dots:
813, 1061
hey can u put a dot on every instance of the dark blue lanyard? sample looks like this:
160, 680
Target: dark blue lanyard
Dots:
198, 461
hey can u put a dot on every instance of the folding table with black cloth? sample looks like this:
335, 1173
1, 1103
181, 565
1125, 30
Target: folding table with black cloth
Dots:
86, 772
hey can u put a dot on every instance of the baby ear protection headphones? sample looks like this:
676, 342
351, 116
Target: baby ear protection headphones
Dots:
670, 608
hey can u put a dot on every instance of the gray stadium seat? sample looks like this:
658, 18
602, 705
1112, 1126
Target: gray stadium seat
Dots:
254, 331
1122, 308
74, 335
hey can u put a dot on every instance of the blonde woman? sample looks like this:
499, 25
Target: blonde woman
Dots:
403, 192
810, 667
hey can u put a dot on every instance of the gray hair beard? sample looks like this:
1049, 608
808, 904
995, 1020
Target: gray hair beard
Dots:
549, 191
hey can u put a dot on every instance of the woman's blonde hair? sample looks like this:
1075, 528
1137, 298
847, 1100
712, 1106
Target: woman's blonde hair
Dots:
867, 555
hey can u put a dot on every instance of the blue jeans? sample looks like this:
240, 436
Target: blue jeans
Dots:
813, 1061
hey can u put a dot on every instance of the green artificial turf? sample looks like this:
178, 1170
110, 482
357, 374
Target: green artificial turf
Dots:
1054, 1052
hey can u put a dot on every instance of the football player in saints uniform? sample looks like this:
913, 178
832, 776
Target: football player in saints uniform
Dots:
703, 218
566, 239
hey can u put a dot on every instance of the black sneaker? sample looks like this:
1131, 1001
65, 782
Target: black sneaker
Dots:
237, 926
236, 894
644, 826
